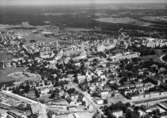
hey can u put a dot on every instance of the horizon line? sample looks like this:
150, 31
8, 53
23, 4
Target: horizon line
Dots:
82, 4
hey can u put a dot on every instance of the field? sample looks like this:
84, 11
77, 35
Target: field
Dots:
123, 20
156, 18
4, 74
109, 19
87, 16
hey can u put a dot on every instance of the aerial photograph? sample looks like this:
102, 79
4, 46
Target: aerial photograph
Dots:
83, 58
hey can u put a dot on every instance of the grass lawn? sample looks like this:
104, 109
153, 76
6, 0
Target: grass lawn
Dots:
156, 57
4, 74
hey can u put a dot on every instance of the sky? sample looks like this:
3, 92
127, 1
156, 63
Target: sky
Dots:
68, 2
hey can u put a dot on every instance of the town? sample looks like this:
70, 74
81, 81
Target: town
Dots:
66, 73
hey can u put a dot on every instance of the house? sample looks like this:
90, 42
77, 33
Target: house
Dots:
99, 101
118, 113
81, 78
44, 91
104, 94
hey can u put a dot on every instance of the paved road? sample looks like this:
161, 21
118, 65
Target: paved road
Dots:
87, 96
151, 100
36, 105
161, 59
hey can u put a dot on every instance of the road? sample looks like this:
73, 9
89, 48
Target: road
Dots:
37, 106
161, 58
151, 100
87, 96
43, 107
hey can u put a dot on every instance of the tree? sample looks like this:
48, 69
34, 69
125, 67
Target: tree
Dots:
37, 93
27, 88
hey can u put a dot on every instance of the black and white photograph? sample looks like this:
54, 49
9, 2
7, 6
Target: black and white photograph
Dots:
83, 58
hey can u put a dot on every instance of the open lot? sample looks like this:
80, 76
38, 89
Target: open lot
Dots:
4, 74
156, 18
123, 20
